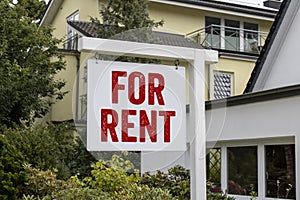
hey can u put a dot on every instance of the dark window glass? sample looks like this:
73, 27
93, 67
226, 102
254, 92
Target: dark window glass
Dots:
232, 35
213, 32
280, 171
242, 170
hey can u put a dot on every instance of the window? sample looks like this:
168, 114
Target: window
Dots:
251, 41
222, 84
71, 42
213, 167
213, 32
280, 171
232, 35
242, 170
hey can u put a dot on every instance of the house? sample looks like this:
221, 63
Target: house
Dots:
237, 31
252, 139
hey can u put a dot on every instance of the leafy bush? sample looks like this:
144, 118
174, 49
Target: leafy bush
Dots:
115, 179
43, 183
12, 175
176, 180
111, 176
79, 194
143, 192
48, 146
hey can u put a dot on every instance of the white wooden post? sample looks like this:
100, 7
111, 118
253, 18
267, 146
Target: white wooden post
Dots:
197, 123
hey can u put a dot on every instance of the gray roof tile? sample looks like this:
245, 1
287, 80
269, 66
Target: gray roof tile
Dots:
89, 29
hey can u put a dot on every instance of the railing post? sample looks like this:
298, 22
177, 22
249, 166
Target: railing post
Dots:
211, 36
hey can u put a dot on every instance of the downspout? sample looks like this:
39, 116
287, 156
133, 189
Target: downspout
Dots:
77, 55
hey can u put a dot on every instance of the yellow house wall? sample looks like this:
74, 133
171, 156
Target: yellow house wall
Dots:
62, 109
183, 20
68, 7
176, 19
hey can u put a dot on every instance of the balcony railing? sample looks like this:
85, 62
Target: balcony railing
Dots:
229, 38
71, 43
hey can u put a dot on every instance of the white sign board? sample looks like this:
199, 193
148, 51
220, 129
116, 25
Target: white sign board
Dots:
135, 107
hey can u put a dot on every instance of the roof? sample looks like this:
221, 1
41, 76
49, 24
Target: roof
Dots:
54, 5
237, 7
89, 29
265, 95
268, 45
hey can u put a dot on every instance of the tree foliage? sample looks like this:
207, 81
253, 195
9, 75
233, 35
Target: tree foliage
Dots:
120, 16
12, 174
29, 61
48, 146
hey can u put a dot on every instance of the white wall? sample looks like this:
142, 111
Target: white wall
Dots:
281, 67
276, 118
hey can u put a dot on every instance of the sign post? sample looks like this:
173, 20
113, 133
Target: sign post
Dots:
197, 59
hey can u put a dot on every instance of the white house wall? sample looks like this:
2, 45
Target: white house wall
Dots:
281, 67
276, 118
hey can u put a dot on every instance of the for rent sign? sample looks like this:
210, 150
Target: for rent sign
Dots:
133, 106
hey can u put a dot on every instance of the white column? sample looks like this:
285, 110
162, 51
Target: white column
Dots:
197, 127
224, 175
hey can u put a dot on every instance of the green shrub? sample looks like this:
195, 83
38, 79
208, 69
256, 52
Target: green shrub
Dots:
79, 194
48, 146
42, 183
176, 180
111, 176
143, 192
12, 175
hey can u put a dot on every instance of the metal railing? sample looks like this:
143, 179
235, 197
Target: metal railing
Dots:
229, 38
71, 43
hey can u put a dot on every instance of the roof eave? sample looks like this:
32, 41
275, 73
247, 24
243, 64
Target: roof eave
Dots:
225, 7
265, 95
51, 11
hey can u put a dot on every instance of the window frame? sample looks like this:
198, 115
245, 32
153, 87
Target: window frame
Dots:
70, 32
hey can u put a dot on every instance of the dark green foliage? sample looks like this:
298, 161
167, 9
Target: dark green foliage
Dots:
81, 160
176, 180
48, 146
44, 146
127, 20
12, 175
120, 16
27, 66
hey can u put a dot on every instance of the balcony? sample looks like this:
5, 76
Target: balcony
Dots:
71, 43
229, 39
